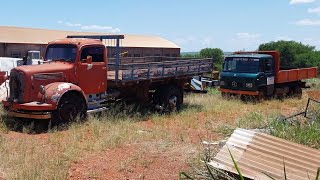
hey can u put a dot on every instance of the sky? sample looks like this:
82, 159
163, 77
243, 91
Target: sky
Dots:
193, 25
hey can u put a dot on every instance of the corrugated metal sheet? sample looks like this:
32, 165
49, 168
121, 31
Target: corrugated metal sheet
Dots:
258, 153
10, 34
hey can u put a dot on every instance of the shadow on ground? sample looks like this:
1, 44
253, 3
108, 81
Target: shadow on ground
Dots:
117, 112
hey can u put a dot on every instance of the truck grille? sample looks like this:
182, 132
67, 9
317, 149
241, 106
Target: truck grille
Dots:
16, 87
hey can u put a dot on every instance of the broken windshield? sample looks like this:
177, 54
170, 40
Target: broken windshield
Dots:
61, 52
241, 64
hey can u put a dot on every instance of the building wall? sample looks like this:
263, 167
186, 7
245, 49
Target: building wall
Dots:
1, 50
20, 50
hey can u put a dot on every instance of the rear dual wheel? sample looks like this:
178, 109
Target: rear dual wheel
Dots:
169, 99
297, 92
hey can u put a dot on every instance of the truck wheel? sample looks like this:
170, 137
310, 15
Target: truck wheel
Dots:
261, 96
170, 99
297, 92
70, 107
225, 95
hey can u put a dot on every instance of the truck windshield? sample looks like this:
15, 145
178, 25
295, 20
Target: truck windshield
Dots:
245, 65
61, 52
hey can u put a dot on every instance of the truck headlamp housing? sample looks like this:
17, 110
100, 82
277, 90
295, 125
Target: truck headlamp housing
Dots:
249, 85
42, 89
222, 83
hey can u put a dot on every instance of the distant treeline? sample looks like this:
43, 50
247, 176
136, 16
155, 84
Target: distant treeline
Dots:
293, 54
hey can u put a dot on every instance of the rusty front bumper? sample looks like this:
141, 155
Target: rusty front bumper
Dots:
32, 110
30, 115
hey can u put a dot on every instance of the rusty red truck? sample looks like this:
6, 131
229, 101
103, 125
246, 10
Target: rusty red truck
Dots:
77, 78
258, 74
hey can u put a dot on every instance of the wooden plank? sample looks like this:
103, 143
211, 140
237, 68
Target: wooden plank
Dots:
158, 70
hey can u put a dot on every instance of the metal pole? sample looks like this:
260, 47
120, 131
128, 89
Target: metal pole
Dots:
117, 59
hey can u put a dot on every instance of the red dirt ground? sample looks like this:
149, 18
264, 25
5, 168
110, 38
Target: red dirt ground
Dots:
143, 160
146, 160
133, 162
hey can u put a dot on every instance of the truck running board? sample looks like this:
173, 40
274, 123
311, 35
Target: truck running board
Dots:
97, 110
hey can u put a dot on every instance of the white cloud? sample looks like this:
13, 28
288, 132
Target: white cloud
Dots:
90, 27
314, 10
283, 38
312, 42
206, 42
73, 24
115, 30
244, 41
308, 22
194, 43
247, 36
96, 27
301, 1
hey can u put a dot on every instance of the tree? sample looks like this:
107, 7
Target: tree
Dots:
215, 53
190, 55
290, 52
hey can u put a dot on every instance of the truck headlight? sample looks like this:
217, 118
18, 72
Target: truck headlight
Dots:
42, 89
222, 83
249, 85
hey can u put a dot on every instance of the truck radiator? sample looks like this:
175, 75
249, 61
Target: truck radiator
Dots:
16, 87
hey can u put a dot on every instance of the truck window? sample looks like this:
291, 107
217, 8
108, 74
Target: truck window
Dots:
61, 52
241, 64
268, 65
97, 53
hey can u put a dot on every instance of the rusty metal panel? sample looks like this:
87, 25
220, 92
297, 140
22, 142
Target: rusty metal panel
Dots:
257, 153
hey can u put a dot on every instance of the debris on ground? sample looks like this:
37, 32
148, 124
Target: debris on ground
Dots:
261, 156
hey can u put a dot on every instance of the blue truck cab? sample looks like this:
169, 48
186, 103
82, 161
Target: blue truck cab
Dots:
248, 74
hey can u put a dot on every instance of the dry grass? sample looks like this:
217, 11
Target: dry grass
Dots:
49, 156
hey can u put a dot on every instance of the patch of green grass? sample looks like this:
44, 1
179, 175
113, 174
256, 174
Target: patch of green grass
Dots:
253, 120
225, 130
314, 83
306, 134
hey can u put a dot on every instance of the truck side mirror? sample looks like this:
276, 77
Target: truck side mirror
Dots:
89, 59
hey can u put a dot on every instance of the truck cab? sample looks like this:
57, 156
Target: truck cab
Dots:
259, 74
248, 74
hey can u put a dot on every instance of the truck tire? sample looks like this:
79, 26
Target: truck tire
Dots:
70, 107
261, 96
225, 95
297, 92
170, 99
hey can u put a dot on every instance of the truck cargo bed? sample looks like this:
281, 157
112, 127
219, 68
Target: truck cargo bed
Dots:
156, 69
292, 75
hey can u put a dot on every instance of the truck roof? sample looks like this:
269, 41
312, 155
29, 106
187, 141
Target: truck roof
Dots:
77, 41
251, 55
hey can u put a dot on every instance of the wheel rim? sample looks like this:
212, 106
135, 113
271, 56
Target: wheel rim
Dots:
173, 102
68, 112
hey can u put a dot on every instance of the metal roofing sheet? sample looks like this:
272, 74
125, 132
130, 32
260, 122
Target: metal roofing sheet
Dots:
10, 34
257, 153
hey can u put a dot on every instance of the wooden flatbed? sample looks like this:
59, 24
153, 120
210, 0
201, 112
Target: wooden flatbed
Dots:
133, 70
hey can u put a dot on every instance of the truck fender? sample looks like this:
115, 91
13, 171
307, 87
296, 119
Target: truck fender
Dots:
54, 92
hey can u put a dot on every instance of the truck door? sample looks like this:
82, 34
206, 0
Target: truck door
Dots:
92, 76
269, 73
